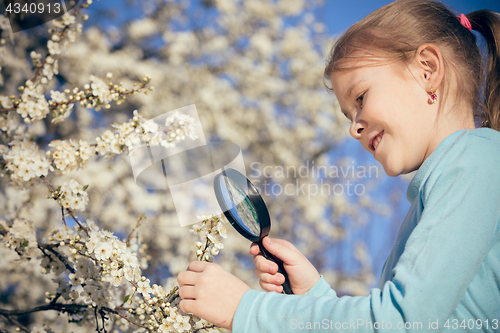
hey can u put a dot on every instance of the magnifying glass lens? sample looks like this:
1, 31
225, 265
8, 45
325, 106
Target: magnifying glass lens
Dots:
240, 207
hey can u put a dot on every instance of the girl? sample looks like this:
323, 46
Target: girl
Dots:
410, 78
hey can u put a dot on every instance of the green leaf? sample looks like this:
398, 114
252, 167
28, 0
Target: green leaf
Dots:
85, 187
125, 299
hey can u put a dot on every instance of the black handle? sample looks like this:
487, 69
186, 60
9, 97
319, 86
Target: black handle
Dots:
269, 256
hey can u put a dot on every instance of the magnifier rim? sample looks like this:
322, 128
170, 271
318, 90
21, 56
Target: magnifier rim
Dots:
252, 195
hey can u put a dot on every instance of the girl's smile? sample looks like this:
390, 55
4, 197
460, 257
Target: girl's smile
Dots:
375, 141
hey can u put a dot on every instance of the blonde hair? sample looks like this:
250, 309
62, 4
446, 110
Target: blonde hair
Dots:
395, 31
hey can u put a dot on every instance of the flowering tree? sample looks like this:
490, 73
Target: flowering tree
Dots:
97, 275
83, 247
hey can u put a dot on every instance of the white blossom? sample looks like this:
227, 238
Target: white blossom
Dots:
58, 96
73, 196
53, 47
21, 236
100, 89
103, 250
25, 162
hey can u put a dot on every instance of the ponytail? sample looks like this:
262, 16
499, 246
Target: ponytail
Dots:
487, 23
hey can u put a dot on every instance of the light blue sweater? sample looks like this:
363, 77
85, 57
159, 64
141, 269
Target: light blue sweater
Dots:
443, 273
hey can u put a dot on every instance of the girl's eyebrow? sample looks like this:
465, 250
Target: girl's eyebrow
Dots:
349, 92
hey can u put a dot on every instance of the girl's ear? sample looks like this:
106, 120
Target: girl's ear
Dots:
429, 67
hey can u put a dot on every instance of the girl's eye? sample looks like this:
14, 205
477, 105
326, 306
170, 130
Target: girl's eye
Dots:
360, 99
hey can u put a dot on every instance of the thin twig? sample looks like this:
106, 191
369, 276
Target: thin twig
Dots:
15, 322
63, 219
125, 317
78, 222
139, 219
96, 319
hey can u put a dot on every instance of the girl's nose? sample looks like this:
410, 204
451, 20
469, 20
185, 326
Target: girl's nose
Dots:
356, 129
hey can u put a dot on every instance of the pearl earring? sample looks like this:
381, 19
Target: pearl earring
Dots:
432, 96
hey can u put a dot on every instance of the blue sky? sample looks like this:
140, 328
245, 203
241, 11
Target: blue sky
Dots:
339, 15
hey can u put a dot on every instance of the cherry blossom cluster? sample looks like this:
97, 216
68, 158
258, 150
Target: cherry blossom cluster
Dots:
59, 103
21, 236
25, 162
72, 195
211, 230
92, 267
138, 131
160, 309
65, 27
100, 93
49, 66
179, 126
176, 128
70, 155
32, 106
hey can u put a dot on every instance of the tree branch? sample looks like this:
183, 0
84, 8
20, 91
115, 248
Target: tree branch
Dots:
68, 308
65, 308
59, 256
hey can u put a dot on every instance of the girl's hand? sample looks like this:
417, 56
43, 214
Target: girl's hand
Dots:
210, 292
301, 273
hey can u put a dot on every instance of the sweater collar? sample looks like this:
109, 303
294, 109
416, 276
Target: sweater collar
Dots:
422, 172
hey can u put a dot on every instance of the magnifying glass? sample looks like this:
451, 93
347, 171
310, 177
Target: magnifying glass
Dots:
246, 211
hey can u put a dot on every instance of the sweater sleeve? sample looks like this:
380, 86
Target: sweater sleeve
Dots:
321, 288
456, 228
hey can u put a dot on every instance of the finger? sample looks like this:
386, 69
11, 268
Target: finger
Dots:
198, 266
270, 287
187, 292
277, 279
265, 265
254, 249
188, 306
187, 278
284, 243
269, 241
283, 252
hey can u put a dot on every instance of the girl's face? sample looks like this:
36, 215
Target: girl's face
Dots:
389, 113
